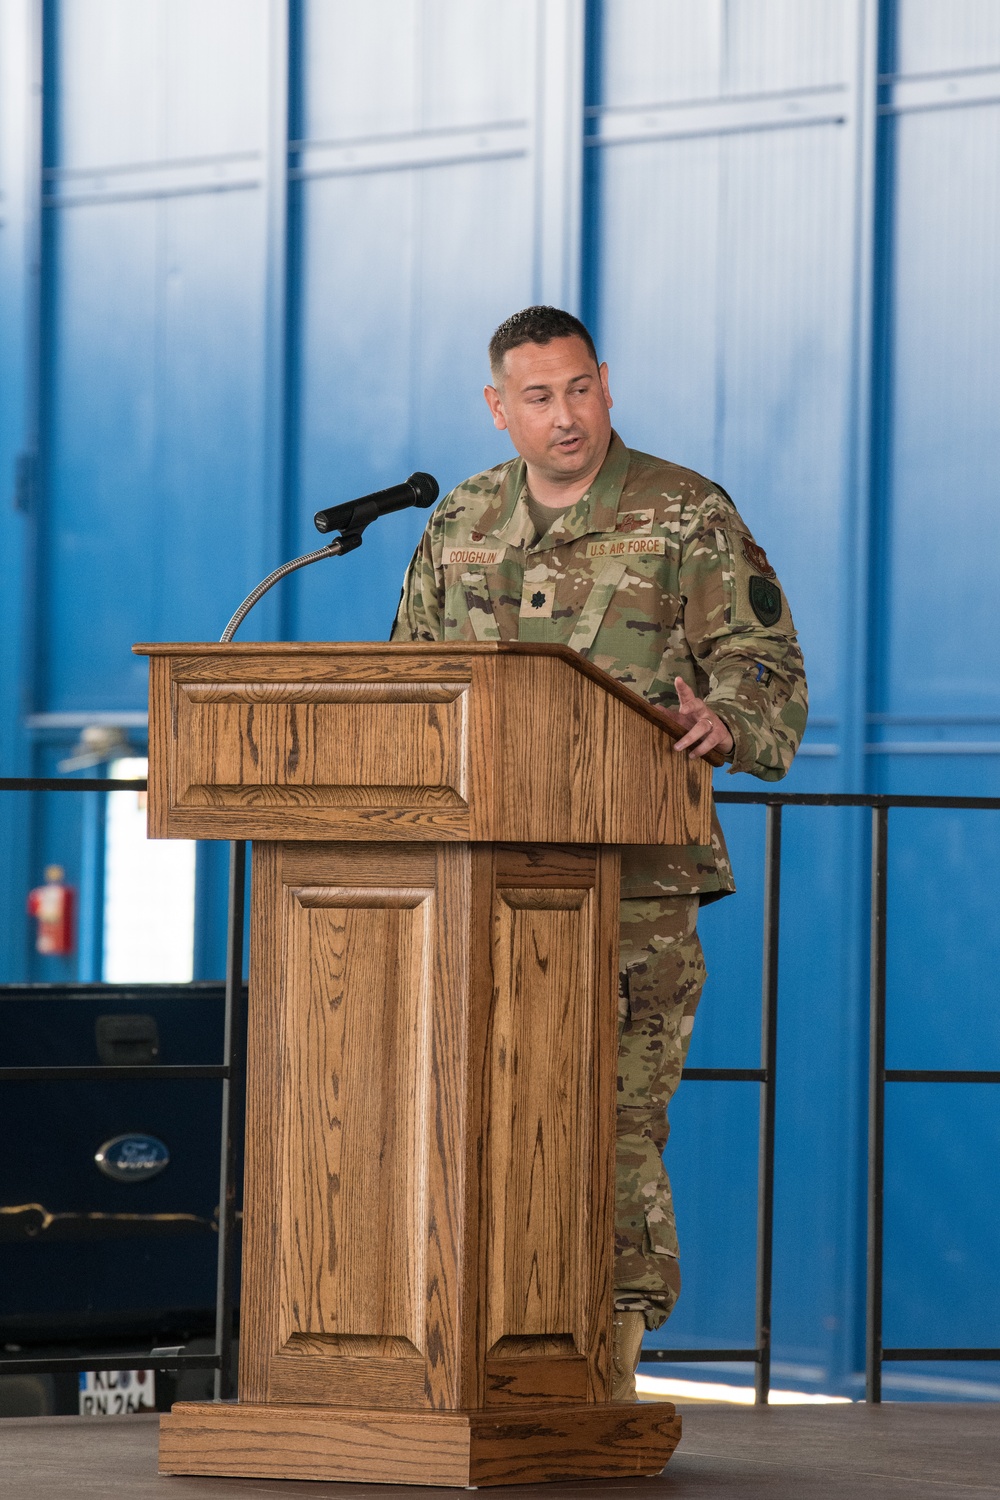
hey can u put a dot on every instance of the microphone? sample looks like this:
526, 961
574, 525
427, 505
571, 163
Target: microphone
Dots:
420, 490
350, 519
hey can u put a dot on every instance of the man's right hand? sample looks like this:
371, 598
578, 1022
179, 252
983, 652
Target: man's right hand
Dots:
706, 731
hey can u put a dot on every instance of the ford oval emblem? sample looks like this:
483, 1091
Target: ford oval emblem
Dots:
132, 1158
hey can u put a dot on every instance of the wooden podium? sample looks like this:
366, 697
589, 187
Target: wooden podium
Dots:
429, 1204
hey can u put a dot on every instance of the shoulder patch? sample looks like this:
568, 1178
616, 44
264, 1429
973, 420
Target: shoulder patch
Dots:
757, 557
765, 600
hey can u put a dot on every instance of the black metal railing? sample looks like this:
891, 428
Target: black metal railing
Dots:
229, 1072
766, 1076
878, 1076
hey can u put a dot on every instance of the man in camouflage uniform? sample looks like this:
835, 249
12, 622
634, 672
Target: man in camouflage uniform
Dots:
648, 570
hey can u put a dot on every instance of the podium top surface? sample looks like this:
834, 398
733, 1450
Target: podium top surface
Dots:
495, 741
354, 649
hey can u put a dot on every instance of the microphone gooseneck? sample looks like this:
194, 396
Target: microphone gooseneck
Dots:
350, 519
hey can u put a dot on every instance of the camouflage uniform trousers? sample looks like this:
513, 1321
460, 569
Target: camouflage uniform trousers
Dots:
662, 972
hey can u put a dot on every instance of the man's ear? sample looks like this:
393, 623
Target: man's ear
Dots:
602, 370
496, 407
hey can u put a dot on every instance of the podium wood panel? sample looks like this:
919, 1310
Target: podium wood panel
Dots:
438, 742
429, 1184
457, 1449
429, 1199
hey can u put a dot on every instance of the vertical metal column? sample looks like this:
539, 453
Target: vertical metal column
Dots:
768, 1061
90, 966
277, 328
225, 1381
558, 152
861, 21
876, 1105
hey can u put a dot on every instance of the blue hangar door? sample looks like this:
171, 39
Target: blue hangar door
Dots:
273, 241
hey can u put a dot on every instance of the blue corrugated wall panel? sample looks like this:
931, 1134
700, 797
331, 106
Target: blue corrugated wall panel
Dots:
19, 188
721, 158
935, 712
155, 511
274, 240
432, 250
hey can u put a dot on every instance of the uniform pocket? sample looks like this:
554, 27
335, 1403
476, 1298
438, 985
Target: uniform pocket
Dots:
467, 598
661, 1227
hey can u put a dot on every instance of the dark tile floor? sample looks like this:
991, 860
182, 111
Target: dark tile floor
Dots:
922, 1451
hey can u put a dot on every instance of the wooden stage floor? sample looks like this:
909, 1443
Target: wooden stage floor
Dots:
922, 1451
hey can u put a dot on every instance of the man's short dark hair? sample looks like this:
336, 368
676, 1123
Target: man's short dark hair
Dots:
536, 325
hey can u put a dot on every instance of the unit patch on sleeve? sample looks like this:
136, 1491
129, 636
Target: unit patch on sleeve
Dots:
757, 557
765, 600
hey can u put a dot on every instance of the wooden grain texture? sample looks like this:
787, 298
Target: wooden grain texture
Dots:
485, 742
475, 1238
549, 1444
598, 769
212, 658
266, 1122
323, 692
447, 1186
431, 1077
546, 1117
522, 1378
539, 1104
600, 1203
429, 1190
358, 1006
353, 1278
529, 1444
403, 747
312, 1442
162, 740
543, 864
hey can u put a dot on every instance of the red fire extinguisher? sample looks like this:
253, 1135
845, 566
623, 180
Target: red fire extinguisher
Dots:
51, 905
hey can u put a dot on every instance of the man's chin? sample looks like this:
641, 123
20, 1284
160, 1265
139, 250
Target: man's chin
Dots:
570, 465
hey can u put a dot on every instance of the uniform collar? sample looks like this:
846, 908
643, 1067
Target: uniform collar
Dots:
595, 511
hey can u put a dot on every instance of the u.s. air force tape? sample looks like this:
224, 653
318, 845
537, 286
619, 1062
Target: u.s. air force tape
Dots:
627, 546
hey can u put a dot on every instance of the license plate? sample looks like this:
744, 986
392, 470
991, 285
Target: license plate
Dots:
114, 1393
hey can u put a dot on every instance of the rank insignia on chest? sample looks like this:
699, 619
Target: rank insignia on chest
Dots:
537, 600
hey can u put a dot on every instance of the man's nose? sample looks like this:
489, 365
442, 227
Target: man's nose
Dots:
561, 414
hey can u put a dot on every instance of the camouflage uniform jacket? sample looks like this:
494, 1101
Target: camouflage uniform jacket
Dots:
651, 575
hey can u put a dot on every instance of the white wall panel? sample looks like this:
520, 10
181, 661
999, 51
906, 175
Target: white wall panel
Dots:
935, 36
158, 79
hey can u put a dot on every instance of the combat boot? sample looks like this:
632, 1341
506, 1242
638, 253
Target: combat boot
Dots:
627, 1330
